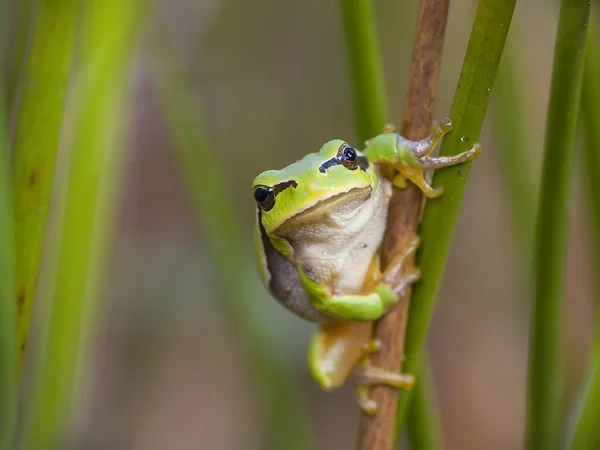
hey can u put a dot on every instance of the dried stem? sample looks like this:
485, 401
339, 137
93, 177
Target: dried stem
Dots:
377, 432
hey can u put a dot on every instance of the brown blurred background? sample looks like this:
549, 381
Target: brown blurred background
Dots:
167, 368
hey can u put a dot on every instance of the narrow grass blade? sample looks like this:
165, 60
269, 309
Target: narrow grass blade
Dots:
545, 384
8, 382
423, 422
83, 206
362, 46
15, 54
467, 113
512, 130
587, 431
39, 116
282, 407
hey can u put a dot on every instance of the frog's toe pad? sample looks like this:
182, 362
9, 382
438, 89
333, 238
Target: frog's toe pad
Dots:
434, 193
445, 125
367, 405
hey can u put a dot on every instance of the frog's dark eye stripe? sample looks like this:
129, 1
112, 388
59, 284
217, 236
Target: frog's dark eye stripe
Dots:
329, 163
279, 187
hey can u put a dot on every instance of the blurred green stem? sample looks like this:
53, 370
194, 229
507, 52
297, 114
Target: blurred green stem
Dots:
24, 24
587, 430
81, 214
422, 421
467, 113
512, 132
39, 116
283, 408
545, 385
368, 88
8, 382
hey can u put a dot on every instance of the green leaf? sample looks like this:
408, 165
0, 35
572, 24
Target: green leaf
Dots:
81, 218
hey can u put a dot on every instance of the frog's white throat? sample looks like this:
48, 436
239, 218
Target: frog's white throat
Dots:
335, 240
337, 212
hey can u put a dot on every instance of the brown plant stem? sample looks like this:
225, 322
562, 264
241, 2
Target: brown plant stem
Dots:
377, 432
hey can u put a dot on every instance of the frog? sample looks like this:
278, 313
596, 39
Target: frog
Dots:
320, 225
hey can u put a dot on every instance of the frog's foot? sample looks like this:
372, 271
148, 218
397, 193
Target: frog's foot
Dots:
406, 280
425, 163
416, 159
390, 274
368, 375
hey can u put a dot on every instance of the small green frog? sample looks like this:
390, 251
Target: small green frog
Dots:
320, 226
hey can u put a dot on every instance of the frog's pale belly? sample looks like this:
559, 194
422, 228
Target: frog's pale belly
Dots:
339, 256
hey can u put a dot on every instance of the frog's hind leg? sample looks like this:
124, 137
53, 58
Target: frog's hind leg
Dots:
365, 375
337, 348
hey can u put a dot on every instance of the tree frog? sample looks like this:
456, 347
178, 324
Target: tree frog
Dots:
320, 226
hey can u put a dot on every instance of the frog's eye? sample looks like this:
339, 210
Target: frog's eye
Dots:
347, 155
265, 197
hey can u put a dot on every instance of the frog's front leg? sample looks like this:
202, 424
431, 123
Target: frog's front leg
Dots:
381, 292
349, 307
425, 163
412, 159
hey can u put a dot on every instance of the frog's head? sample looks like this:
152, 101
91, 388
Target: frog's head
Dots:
337, 179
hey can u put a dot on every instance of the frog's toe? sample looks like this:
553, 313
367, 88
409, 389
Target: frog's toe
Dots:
434, 193
369, 375
389, 128
406, 280
368, 405
445, 125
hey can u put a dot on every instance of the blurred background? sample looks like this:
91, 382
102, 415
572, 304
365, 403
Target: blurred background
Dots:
170, 365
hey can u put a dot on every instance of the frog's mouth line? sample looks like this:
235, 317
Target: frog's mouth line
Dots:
343, 203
